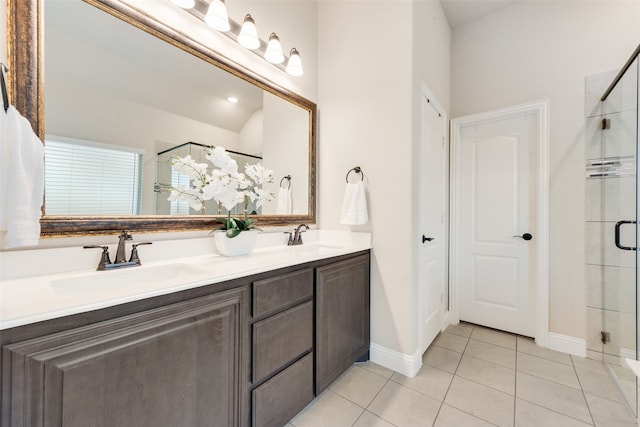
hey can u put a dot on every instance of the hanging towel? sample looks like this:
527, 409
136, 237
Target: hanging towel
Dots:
284, 201
21, 180
354, 206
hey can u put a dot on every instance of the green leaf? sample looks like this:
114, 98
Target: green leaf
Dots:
232, 232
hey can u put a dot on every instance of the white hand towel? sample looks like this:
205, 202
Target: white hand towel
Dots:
354, 206
21, 180
283, 206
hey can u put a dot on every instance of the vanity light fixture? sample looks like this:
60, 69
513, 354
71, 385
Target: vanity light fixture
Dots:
274, 53
185, 4
294, 66
217, 16
248, 36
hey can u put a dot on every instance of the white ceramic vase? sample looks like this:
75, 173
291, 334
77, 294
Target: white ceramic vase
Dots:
242, 244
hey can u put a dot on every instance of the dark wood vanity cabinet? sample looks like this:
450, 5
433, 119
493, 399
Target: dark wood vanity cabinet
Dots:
342, 317
251, 351
282, 351
178, 365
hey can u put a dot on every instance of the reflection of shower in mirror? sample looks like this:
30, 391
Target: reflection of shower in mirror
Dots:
168, 177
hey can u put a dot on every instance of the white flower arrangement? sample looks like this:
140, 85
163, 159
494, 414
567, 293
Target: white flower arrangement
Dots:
224, 184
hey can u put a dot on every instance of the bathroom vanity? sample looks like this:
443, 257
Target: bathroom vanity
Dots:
250, 350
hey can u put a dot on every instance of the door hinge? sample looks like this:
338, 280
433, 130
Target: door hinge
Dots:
606, 123
605, 337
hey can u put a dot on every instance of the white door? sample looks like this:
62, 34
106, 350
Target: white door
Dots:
434, 239
496, 235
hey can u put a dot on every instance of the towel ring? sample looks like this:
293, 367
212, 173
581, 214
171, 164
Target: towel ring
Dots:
357, 169
288, 178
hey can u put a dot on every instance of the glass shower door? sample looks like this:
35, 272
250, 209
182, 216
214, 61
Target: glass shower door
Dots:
619, 231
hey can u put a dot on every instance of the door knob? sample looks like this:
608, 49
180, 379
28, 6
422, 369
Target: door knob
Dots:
525, 236
426, 239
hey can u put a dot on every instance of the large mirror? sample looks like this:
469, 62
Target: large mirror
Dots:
125, 94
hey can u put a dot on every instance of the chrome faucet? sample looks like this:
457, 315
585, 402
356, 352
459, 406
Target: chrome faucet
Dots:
120, 256
121, 260
296, 239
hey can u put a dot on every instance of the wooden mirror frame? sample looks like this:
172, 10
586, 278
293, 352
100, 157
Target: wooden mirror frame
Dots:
26, 89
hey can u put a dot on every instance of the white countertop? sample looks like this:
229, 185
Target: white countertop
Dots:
38, 285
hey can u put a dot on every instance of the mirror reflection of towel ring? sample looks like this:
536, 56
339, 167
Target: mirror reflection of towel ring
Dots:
357, 169
288, 178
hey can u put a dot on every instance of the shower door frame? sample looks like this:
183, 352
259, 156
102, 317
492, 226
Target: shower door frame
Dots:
634, 58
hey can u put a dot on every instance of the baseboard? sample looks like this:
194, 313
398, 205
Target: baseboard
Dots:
405, 364
627, 353
567, 344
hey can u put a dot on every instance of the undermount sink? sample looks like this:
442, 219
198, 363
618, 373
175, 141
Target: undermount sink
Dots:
138, 277
315, 248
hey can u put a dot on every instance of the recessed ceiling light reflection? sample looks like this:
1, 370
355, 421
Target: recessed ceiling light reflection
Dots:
232, 99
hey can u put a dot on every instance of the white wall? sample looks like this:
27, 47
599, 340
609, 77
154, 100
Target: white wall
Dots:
251, 135
533, 50
368, 72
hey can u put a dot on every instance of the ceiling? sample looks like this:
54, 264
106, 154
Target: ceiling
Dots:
460, 12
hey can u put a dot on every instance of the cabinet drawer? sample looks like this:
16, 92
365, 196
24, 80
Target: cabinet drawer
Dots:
275, 294
283, 396
281, 338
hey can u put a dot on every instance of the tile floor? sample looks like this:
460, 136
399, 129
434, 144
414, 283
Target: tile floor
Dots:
473, 376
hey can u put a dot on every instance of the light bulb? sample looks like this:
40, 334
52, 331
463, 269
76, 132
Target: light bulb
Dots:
294, 66
274, 53
217, 16
185, 4
248, 36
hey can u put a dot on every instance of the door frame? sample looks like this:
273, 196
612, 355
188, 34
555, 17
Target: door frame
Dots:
428, 94
541, 264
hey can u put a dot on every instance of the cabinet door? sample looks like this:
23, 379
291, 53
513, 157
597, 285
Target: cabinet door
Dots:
178, 365
342, 317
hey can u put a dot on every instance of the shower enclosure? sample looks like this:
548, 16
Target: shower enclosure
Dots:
612, 234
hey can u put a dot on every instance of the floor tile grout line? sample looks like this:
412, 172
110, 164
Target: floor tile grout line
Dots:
374, 398
357, 404
550, 380
619, 402
593, 420
484, 385
375, 415
554, 410
329, 390
453, 376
